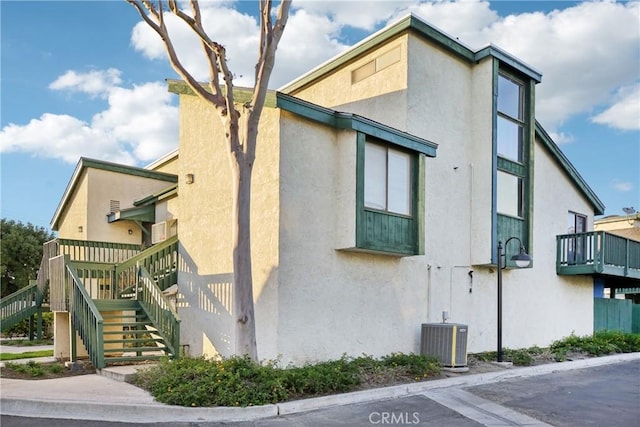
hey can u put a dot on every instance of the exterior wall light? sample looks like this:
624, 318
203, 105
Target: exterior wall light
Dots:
521, 260
189, 178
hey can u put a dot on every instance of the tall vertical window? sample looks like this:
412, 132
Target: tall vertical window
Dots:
510, 124
512, 139
387, 179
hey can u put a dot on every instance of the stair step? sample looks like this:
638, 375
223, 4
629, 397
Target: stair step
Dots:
133, 358
133, 340
124, 316
116, 304
130, 332
144, 323
133, 349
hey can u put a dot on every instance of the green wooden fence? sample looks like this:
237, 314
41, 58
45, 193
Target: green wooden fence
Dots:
614, 315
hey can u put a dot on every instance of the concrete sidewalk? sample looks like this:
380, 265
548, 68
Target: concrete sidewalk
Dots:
95, 397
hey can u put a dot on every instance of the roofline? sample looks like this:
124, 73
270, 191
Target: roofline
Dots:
162, 160
240, 94
422, 28
85, 163
570, 170
351, 121
160, 195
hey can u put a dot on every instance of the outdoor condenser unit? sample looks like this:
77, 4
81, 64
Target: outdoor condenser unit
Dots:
445, 341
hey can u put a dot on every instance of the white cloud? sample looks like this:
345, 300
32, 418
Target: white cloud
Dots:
623, 186
625, 113
96, 82
139, 124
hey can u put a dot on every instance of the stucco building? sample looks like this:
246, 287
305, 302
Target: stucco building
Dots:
384, 181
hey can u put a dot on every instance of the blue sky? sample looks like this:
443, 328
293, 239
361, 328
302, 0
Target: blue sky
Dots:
84, 78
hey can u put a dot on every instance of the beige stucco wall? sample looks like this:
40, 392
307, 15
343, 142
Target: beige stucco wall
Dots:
74, 219
314, 299
89, 205
205, 302
624, 226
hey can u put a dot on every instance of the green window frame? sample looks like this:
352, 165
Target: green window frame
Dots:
386, 223
513, 157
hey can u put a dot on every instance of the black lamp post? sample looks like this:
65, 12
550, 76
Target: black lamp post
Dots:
522, 260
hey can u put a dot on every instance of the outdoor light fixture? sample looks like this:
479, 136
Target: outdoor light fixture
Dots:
521, 260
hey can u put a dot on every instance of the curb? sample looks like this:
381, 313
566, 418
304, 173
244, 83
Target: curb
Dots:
158, 412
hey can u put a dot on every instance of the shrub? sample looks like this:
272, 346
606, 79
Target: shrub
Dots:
22, 328
238, 381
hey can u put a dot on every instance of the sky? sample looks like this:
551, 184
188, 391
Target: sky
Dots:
87, 79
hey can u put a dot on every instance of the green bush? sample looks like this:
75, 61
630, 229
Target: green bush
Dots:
598, 344
238, 381
22, 328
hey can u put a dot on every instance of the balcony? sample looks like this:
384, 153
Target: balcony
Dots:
597, 253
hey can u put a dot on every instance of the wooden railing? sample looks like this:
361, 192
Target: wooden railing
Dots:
86, 319
20, 305
597, 252
106, 252
160, 260
159, 310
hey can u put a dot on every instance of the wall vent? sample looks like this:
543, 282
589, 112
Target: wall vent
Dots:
445, 341
114, 206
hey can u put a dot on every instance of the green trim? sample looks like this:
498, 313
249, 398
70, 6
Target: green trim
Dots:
145, 213
160, 195
505, 226
569, 169
85, 163
340, 120
128, 170
371, 223
241, 95
417, 26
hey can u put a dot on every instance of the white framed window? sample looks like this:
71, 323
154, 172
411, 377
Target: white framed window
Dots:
387, 180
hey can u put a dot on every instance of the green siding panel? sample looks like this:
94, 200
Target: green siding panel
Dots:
612, 315
635, 318
388, 233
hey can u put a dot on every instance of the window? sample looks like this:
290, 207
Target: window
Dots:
510, 114
510, 200
576, 246
513, 135
387, 179
390, 188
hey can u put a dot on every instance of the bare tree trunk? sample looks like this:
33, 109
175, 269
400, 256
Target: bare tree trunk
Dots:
241, 130
243, 309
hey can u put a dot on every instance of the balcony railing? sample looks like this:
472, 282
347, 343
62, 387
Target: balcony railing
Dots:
597, 252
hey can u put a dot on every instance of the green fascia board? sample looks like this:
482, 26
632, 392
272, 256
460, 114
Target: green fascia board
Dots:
160, 195
505, 58
85, 163
569, 169
241, 95
128, 170
421, 29
354, 122
142, 213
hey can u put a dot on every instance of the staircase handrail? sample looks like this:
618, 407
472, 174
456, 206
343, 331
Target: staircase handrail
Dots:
133, 261
159, 310
160, 260
25, 301
86, 318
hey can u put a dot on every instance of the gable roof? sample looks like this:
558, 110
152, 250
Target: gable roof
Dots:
424, 30
85, 163
564, 163
340, 120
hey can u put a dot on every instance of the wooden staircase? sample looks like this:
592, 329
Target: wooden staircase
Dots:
128, 333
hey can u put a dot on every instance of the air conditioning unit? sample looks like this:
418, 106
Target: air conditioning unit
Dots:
159, 232
163, 230
445, 341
